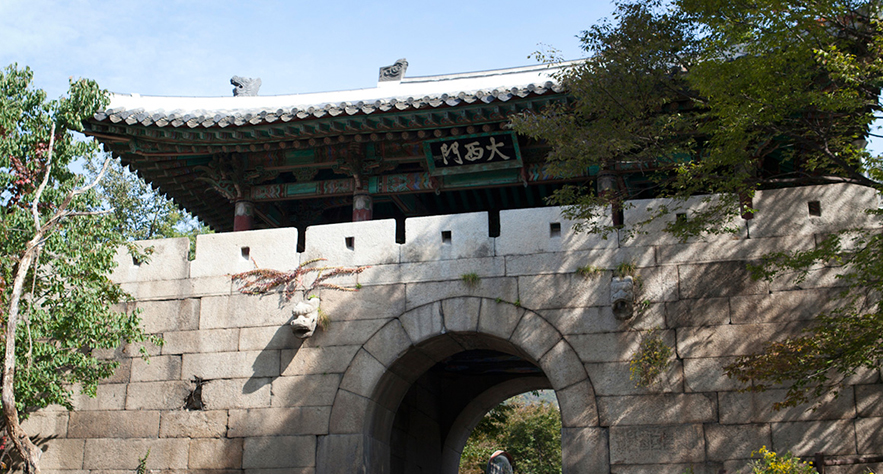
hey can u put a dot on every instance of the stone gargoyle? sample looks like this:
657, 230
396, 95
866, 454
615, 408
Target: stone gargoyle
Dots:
622, 296
245, 86
306, 317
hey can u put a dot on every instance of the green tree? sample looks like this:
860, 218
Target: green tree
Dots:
529, 431
56, 253
139, 211
717, 96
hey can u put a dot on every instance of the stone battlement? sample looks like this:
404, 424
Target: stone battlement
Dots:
793, 214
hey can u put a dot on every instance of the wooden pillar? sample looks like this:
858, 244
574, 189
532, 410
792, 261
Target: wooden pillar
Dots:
243, 218
363, 206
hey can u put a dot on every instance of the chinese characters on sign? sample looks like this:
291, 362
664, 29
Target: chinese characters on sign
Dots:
473, 153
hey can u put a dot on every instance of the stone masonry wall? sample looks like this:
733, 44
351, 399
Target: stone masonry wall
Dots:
272, 403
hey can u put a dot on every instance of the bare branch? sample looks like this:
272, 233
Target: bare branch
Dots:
34, 211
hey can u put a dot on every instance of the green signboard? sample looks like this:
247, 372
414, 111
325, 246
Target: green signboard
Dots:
472, 153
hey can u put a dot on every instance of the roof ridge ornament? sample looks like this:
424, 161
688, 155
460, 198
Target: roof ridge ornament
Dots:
394, 73
245, 86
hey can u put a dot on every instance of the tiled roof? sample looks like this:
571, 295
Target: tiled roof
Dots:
410, 93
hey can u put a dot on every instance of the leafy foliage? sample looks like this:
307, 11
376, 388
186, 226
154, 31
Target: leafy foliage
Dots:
651, 360
712, 96
56, 254
139, 211
530, 432
772, 463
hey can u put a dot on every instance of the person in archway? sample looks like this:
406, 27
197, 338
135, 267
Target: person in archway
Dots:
500, 462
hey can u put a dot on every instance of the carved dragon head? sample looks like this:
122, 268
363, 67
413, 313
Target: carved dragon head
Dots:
306, 317
622, 296
245, 86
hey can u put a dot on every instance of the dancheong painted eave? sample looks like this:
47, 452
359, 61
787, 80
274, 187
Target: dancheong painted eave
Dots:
409, 93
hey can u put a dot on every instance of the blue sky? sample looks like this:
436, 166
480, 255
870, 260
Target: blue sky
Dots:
193, 48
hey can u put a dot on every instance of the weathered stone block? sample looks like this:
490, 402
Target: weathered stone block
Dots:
389, 343
819, 277
725, 442
348, 412
869, 435
238, 311
657, 284
237, 393
279, 451
114, 424
782, 306
62, 454
363, 374
611, 347
169, 315
317, 360
340, 453
278, 421
737, 249
353, 243
707, 375
345, 333
231, 365
577, 405
600, 319
731, 340
614, 378
167, 261
757, 407
461, 314
448, 237
235, 252
719, 279
107, 397
570, 262
562, 291
305, 390
562, 366
669, 408
156, 368
584, 450
682, 443
499, 319
168, 395
803, 438
215, 454
422, 322
640, 215
534, 335
544, 230
169, 453
193, 424
785, 211
429, 271
203, 341
419, 294
370, 302
869, 400
699, 312
268, 338
46, 424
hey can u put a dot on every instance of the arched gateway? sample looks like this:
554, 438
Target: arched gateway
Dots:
423, 180
401, 406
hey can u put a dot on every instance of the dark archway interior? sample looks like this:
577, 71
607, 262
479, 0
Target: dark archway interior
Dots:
434, 405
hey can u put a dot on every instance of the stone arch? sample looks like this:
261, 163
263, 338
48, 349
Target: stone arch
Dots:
406, 347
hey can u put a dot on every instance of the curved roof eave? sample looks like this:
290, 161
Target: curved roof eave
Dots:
416, 92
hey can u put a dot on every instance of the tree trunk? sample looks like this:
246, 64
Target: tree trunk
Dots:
28, 450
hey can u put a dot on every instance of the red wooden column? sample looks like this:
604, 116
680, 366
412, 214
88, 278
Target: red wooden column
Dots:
243, 217
363, 206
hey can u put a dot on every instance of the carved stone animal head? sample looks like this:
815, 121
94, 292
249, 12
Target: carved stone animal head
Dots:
245, 86
622, 296
395, 72
306, 316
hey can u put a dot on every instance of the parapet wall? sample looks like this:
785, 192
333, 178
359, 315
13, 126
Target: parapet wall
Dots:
358, 397
783, 213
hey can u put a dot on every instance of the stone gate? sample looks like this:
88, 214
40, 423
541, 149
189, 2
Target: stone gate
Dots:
411, 362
